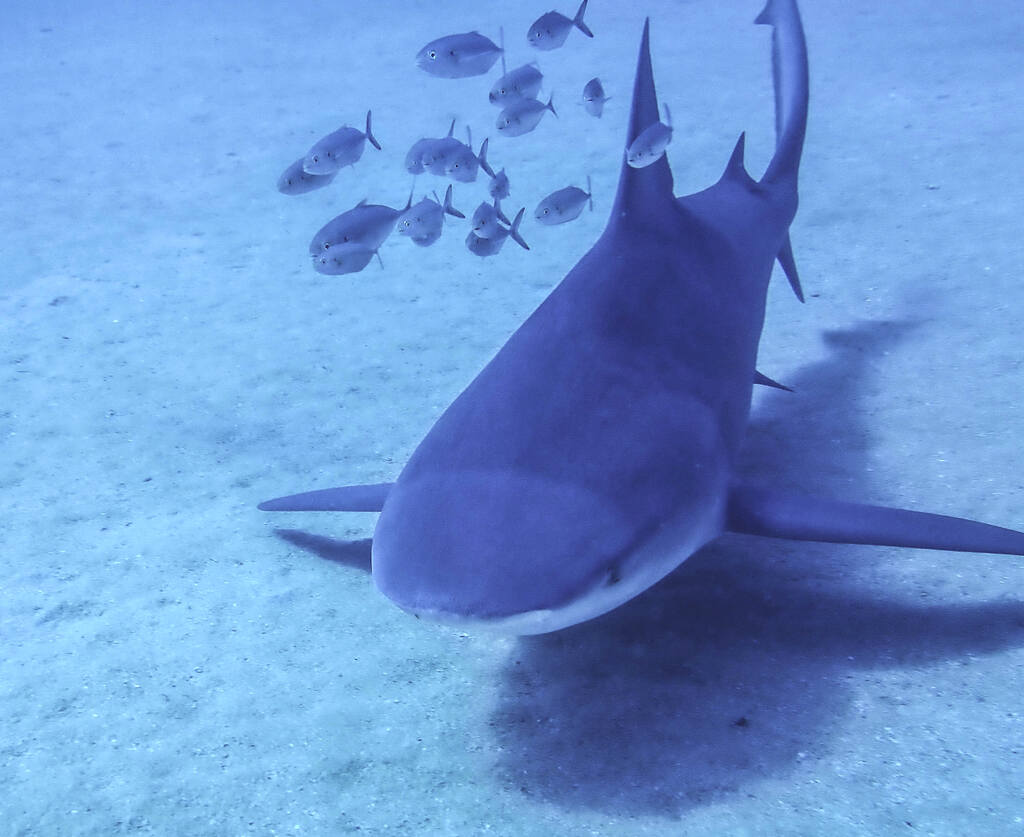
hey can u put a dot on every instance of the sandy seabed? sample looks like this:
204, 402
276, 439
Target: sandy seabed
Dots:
176, 662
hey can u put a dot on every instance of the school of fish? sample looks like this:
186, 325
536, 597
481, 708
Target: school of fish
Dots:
349, 242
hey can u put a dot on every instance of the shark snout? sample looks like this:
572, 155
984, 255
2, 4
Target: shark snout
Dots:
486, 546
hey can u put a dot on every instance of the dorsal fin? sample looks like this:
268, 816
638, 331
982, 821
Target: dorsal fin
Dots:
647, 189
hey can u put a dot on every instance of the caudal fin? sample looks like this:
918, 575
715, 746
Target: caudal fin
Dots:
369, 133
514, 232
789, 71
448, 208
760, 511
578, 20
482, 157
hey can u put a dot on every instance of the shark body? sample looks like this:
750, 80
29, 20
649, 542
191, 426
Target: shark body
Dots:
595, 452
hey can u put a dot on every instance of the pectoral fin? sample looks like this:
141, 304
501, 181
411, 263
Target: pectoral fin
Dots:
771, 514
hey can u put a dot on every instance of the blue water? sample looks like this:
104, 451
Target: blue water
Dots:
175, 662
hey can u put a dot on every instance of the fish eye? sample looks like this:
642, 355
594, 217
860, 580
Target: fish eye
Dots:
432, 54
546, 210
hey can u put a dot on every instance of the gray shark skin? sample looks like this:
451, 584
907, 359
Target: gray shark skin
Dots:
595, 452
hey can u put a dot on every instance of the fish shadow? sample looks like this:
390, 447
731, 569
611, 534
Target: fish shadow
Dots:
733, 669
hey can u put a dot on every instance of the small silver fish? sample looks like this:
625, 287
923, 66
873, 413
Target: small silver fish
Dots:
594, 98
564, 205
521, 116
522, 82
498, 187
550, 30
462, 164
423, 221
366, 224
486, 219
650, 143
338, 149
414, 159
296, 181
345, 258
489, 246
458, 56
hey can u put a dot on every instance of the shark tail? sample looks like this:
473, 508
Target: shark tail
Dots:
369, 132
789, 71
351, 498
760, 511
578, 20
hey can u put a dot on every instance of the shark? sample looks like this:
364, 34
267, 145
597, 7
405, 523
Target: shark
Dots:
596, 451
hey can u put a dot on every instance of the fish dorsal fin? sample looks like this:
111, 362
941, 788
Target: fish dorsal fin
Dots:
451, 128
649, 189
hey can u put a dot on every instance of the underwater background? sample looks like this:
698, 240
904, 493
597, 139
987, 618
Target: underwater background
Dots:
176, 662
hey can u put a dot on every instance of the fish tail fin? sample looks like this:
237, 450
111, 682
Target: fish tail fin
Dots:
482, 157
514, 232
501, 39
760, 511
448, 208
789, 73
354, 498
369, 132
550, 106
788, 264
501, 215
578, 20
